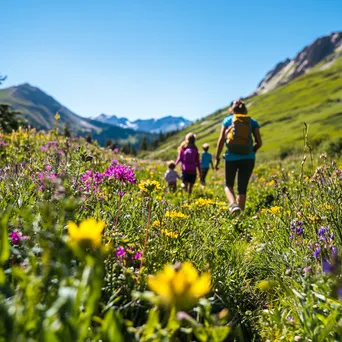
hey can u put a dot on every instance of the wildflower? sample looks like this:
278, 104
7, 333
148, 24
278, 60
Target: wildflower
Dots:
296, 227
181, 287
120, 252
121, 194
307, 269
316, 252
275, 209
137, 255
271, 183
148, 186
156, 224
202, 202
169, 234
87, 234
57, 116
176, 215
16, 236
265, 285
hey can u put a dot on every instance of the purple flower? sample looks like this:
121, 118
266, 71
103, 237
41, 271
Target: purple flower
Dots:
16, 236
307, 269
121, 172
137, 255
121, 194
333, 251
120, 252
317, 252
339, 293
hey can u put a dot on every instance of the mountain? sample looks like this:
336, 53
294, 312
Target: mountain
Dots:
165, 124
39, 110
325, 49
315, 97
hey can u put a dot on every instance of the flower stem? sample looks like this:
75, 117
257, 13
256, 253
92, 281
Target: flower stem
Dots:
147, 229
117, 214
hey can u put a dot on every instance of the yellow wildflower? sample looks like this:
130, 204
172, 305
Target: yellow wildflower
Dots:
265, 285
262, 180
176, 215
186, 206
156, 223
180, 287
202, 202
87, 234
275, 209
272, 182
314, 218
149, 186
169, 234
57, 116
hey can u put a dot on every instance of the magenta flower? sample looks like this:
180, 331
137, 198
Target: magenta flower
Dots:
120, 252
16, 237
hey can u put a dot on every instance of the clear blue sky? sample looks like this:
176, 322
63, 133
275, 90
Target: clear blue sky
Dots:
150, 58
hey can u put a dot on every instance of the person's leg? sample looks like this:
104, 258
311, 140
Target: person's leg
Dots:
204, 173
186, 186
244, 174
190, 188
230, 172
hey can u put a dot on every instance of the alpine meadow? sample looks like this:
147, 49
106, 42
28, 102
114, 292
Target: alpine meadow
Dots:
103, 239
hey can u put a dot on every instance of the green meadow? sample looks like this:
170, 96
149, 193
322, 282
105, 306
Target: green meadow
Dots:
94, 248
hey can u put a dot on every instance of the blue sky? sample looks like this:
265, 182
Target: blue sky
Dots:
151, 58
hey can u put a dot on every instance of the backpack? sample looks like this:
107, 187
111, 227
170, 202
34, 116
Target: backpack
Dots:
239, 135
190, 155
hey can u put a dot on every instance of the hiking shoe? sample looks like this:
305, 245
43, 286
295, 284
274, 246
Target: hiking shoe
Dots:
234, 209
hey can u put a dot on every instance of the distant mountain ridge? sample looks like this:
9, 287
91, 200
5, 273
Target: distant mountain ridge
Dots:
39, 110
328, 46
164, 124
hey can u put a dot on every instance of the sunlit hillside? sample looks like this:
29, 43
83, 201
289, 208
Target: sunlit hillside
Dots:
314, 98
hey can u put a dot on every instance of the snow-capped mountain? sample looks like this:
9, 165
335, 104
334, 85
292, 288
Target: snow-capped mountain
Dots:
165, 124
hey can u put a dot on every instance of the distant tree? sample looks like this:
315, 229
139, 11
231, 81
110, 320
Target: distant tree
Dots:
143, 144
8, 119
89, 139
66, 130
108, 143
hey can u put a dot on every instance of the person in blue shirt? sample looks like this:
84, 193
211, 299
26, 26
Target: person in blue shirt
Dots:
206, 161
240, 164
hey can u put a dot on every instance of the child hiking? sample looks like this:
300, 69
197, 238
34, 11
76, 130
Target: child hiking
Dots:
206, 161
237, 133
189, 157
171, 176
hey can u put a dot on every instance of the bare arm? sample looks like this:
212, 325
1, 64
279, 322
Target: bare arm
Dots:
257, 138
220, 143
179, 158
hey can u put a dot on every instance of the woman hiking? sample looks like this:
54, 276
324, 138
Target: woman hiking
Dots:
189, 157
237, 133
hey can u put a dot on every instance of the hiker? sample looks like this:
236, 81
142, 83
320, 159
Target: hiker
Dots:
206, 161
237, 131
171, 176
189, 157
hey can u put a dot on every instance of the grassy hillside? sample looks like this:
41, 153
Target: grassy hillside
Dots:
314, 98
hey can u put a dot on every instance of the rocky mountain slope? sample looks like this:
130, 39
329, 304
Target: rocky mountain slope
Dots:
323, 50
164, 124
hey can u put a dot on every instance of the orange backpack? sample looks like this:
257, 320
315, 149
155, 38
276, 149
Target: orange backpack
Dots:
239, 135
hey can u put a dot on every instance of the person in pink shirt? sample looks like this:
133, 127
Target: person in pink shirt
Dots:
189, 157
